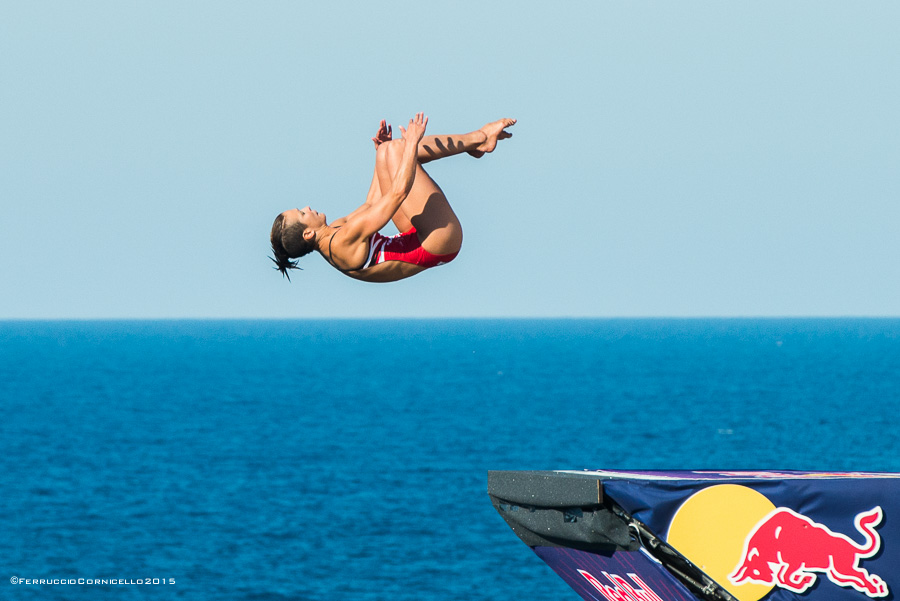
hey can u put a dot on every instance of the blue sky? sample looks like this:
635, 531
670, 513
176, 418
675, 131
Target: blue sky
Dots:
671, 159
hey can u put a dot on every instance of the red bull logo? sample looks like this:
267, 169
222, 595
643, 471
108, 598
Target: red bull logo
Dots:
790, 550
752, 547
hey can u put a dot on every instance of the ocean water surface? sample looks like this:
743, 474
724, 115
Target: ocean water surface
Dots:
347, 460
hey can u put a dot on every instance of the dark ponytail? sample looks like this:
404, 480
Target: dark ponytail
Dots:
288, 243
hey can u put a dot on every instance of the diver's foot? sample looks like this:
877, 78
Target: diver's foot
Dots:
493, 131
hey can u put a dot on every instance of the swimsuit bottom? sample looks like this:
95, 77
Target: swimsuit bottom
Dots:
403, 247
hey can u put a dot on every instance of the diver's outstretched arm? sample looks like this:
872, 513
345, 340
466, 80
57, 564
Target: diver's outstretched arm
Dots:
375, 214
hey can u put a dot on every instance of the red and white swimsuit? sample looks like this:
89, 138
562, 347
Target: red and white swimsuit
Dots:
403, 247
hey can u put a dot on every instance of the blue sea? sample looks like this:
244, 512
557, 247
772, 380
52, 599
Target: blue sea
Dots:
347, 460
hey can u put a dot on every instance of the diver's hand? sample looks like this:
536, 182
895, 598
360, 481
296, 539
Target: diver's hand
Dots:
383, 135
416, 129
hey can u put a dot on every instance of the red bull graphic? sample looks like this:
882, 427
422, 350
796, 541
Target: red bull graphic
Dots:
789, 550
621, 590
620, 576
775, 535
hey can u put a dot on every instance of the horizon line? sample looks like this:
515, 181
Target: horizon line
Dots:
457, 318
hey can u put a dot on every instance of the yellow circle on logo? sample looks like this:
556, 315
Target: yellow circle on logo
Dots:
710, 529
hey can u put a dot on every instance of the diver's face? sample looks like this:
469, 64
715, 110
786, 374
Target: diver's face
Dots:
307, 217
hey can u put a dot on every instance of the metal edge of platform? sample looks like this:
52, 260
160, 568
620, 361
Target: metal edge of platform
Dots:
569, 509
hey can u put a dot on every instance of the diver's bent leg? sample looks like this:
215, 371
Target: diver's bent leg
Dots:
382, 180
476, 143
432, 148
425, 206
374, 189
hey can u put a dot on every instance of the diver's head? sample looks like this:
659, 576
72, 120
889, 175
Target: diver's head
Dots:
293, 236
